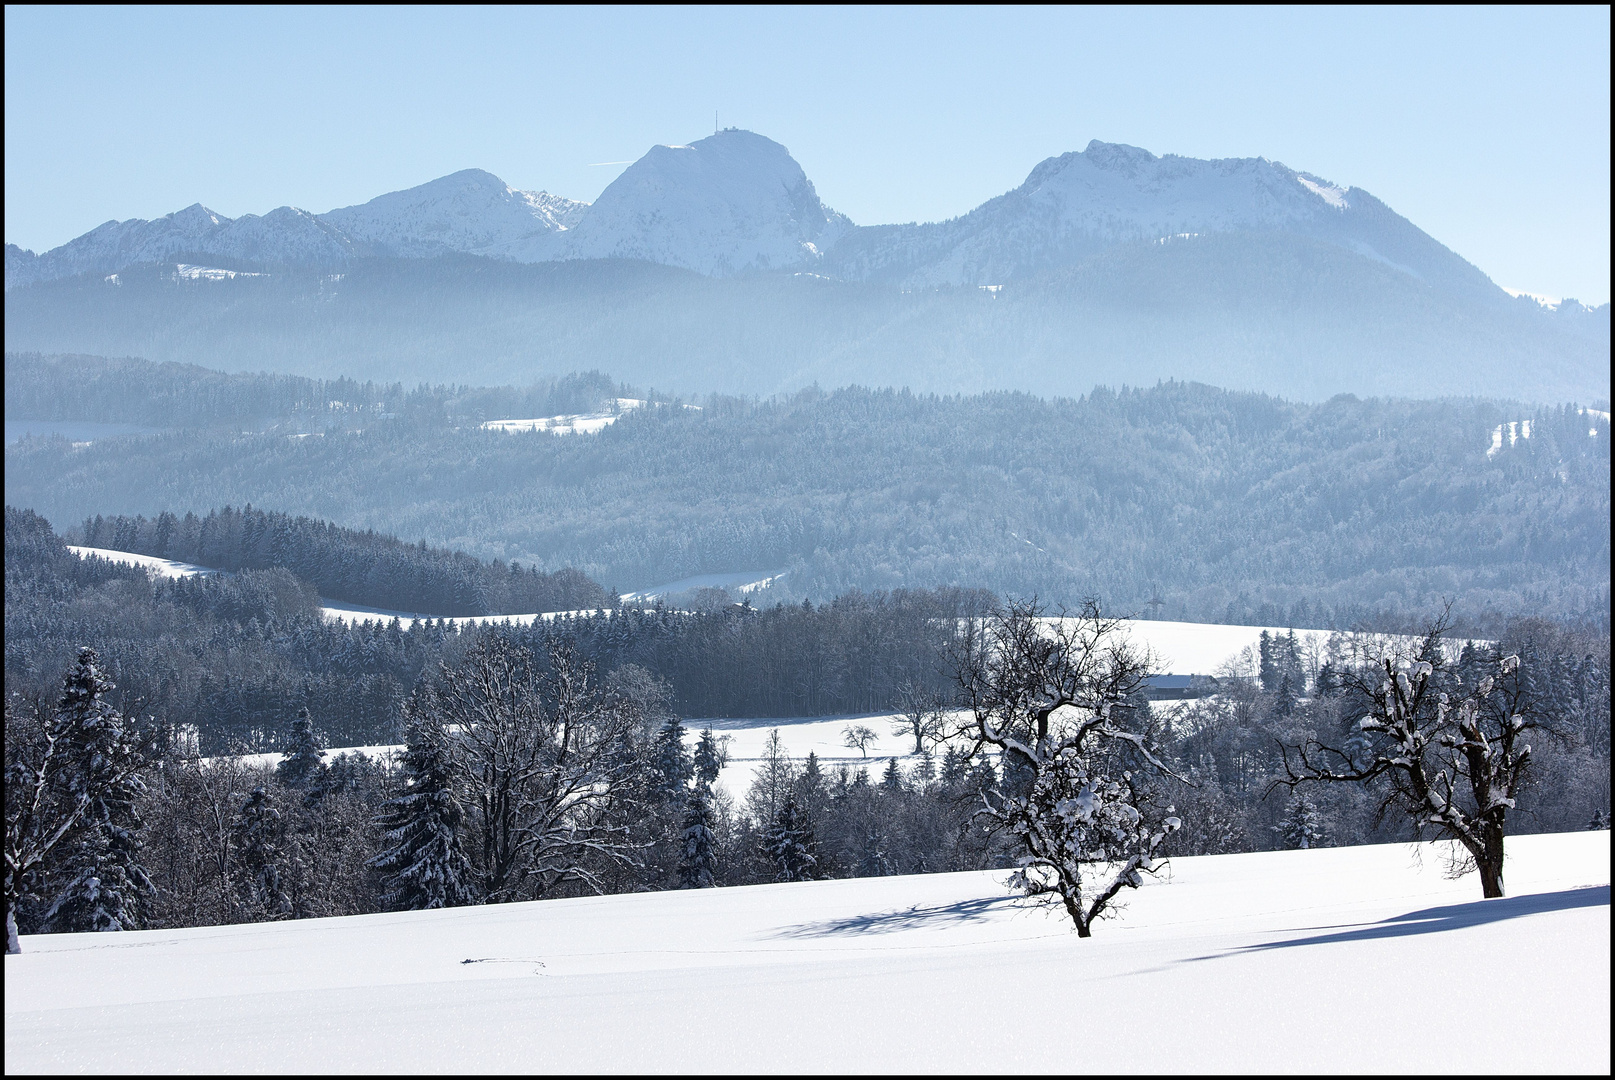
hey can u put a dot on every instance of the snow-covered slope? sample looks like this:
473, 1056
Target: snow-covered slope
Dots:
730, 202
469, 211
1331, 960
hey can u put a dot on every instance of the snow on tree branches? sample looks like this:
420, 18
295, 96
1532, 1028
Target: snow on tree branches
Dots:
1051, 695
1447, 747
70, 785
426, 866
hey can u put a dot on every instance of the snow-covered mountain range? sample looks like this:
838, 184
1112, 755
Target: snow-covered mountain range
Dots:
715, 266
734, 201
737, 201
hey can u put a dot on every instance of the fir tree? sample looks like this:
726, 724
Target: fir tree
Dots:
709, 758
425, 867
303, 767
1268, 667
258, 834
1302, 826
925, 770
671, 763
697, 854
789, 845
892, 778
873, 860
106, 887
1285, 699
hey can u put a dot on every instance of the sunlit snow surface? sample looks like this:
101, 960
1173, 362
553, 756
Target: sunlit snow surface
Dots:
169, 568
1334, 960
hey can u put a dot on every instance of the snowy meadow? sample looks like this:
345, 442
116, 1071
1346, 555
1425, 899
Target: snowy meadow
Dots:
1267, 962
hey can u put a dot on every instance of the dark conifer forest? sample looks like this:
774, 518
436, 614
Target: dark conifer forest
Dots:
1224, 506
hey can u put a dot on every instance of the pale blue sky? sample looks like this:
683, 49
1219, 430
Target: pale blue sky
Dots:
1489, 128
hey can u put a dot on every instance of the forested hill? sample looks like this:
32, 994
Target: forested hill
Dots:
169, 395
237, 655
1223, 505
344, 564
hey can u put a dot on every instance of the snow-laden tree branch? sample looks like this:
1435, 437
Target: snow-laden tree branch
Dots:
1447, 746
1051, 696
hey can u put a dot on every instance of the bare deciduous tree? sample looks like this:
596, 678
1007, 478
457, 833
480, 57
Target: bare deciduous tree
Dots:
546, 758
858, 737
1451, 756
1051, 696
921, 714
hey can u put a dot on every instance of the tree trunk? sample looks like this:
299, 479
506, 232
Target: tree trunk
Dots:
1490, 861
12, 945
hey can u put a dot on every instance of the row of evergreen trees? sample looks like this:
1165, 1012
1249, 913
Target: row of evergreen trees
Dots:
171, 395
345, 564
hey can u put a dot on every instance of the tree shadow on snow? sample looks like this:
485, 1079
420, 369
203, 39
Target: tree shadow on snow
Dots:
886, 922
1438, 919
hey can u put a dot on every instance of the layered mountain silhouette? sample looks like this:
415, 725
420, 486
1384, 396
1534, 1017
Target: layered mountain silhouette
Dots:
1108, 265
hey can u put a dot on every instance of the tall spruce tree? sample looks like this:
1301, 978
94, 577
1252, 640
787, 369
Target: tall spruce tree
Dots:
258, 834
697, 859
303, 767
708, 759
1302, 826
789, 845
671, 763
105, 887
426, 866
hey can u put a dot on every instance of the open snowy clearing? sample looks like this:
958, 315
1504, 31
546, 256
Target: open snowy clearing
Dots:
745, 581
162, 567
340, 611
1344, 959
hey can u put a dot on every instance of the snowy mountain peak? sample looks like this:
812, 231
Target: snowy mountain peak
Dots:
468, 211
1077, 205
1118, 157
730, 202
195, 219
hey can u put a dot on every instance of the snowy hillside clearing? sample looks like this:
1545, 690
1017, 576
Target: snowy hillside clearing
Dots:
1272, 962
578, 424
1515, 430
574, 424
336, 610
746, 581
162, 567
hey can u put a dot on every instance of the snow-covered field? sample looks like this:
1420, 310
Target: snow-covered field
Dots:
1332, 960
743, 582
572, 424
162, 567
